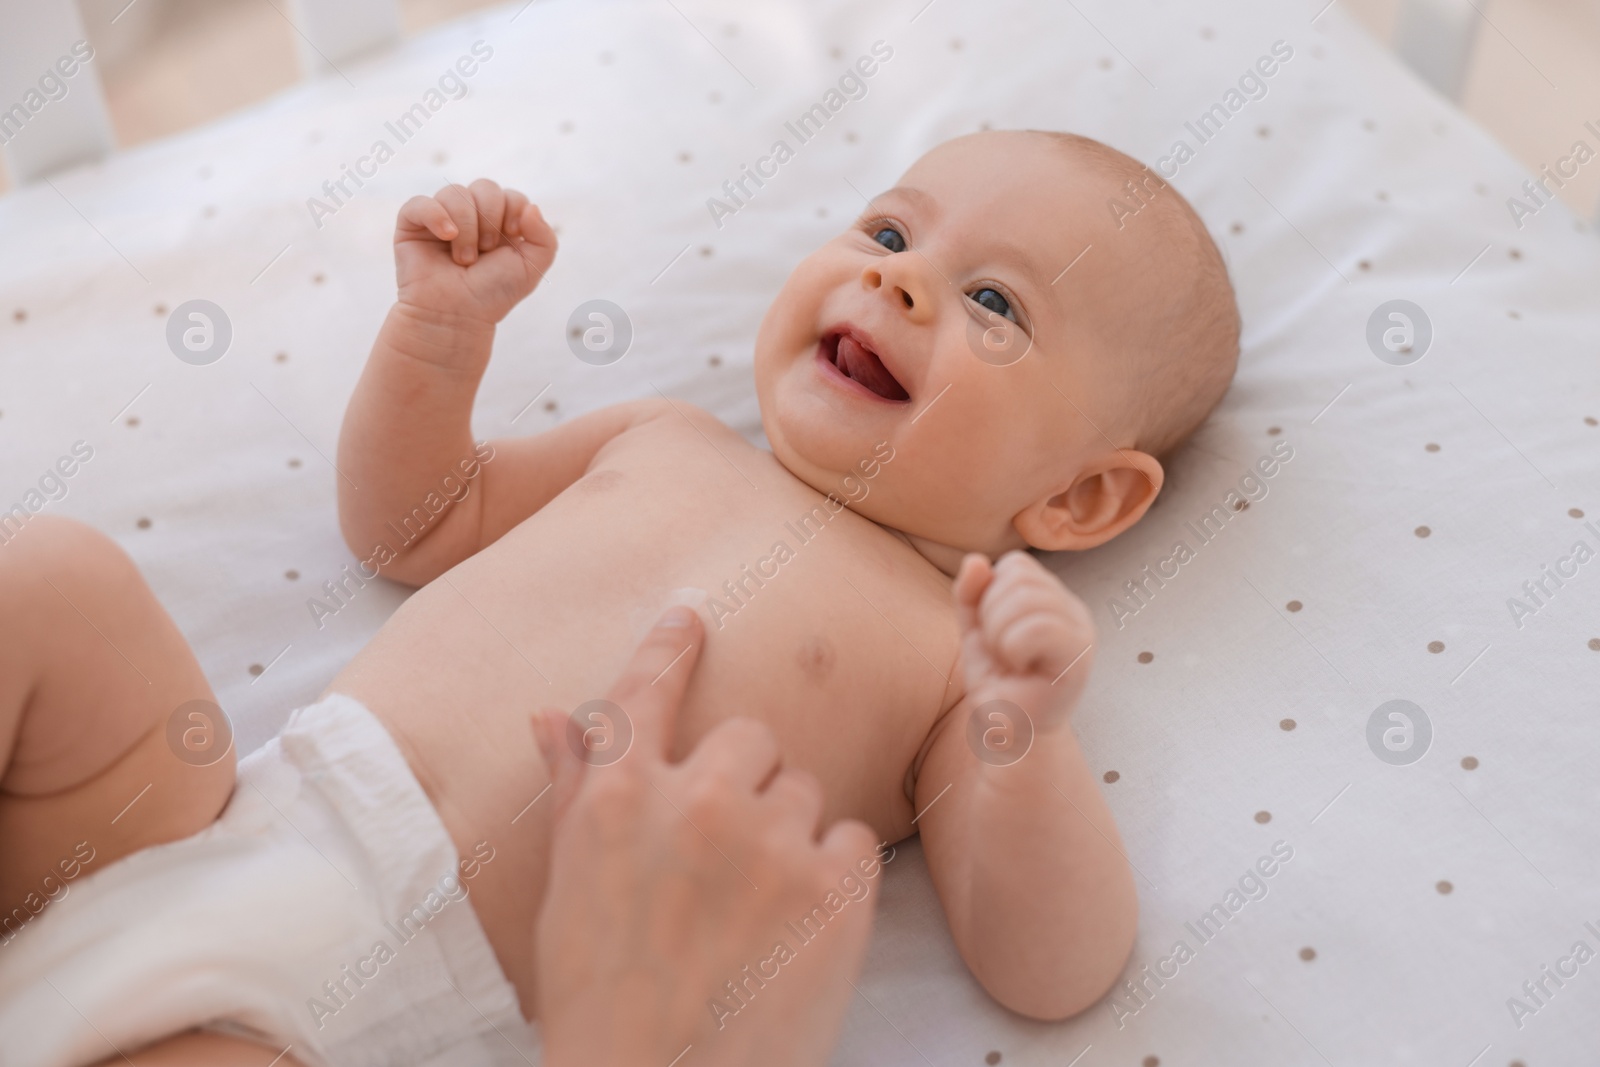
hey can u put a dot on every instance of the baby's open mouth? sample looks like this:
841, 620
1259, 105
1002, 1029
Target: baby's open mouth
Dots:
852, 358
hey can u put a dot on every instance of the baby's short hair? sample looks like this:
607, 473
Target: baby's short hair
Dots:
1187, 349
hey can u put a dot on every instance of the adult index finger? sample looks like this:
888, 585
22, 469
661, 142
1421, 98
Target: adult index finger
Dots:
653, 683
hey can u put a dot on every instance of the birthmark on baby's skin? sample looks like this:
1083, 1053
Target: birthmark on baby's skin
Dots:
816, 659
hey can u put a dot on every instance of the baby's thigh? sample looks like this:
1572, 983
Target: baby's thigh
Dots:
92, 673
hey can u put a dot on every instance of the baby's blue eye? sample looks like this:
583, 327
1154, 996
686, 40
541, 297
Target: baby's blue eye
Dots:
990, 300
890, 238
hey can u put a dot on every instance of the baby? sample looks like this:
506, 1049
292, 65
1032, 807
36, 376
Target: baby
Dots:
991, 359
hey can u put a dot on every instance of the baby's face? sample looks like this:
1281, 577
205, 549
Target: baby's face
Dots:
946, 321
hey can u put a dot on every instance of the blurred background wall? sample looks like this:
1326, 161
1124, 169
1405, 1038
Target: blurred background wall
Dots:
168, 65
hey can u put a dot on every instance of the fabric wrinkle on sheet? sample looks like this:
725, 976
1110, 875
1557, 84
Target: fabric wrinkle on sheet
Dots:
325, 911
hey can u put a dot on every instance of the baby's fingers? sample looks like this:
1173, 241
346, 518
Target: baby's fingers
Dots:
464, 213
1034, 642
971, 580
516, 203
536, 231
424, 215
491, 203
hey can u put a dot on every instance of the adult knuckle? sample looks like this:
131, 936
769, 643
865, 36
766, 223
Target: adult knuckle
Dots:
707, 796
780, 853
801, 789
821, 875
746, 734
730, 741
613, 793
689, 842
857, 839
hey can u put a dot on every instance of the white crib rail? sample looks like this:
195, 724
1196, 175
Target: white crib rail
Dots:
52, 110
1436, 39
51, 119
329, 32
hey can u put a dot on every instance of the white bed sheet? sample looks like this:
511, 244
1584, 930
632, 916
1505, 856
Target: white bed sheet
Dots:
1347, 185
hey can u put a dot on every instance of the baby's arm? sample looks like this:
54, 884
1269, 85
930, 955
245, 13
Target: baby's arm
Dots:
1026, 856
464, 258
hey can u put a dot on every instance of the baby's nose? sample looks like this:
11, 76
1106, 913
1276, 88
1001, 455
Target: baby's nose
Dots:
902, 284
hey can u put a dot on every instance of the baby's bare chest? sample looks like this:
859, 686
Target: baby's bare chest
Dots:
820, 623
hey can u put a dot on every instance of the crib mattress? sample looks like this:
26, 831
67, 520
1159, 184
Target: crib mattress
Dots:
1423, 546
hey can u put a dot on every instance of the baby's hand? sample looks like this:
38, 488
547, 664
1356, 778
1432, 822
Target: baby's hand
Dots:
470, 253
1024, 637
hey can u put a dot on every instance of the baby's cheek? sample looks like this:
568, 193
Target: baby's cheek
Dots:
796, 307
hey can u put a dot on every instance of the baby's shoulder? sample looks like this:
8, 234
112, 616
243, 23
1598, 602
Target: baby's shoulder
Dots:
664, 414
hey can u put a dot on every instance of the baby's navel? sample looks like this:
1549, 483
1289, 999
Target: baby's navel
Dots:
816, 659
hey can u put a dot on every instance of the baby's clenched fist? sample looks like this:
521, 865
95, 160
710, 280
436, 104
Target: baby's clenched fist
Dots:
1025, 637
470, 252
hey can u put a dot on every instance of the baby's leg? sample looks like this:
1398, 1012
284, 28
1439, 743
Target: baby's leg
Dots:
91, 671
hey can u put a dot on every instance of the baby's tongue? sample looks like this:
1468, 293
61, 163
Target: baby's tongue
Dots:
866, 368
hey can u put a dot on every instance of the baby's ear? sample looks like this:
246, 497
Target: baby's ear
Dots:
1105, 498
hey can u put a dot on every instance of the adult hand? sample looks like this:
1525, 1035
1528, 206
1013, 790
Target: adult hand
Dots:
671, 888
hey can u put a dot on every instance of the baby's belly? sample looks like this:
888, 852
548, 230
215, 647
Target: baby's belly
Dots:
549, 615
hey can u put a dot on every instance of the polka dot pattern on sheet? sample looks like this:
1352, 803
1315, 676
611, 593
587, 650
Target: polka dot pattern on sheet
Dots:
1277, 548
